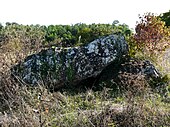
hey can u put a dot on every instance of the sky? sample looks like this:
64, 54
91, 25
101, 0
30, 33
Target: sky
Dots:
47, 12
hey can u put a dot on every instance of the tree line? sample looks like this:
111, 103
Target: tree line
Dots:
148, 32
58, 35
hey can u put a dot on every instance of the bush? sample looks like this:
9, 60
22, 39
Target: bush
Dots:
151, 36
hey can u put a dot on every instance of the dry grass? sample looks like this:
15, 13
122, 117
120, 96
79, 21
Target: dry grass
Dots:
22, 105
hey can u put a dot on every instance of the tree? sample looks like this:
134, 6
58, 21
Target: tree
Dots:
166, 18
1, 26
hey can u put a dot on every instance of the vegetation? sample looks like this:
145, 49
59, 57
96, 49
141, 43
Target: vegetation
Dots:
58, 35
132, 103
152, 36
166, 18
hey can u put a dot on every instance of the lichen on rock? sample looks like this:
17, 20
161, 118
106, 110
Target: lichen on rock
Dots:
70, 65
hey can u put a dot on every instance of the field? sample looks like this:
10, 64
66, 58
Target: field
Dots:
134, 103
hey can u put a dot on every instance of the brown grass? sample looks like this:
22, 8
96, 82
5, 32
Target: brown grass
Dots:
27, 106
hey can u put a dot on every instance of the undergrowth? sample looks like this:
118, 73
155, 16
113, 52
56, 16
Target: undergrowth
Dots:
36, 106
134, 103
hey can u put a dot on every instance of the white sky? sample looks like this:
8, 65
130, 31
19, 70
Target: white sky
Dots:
47, 12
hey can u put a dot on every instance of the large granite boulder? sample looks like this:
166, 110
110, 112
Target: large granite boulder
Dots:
62, 66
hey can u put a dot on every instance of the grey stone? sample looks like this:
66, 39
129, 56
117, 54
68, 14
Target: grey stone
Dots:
149, 70
59, 66
142, 67
130, 67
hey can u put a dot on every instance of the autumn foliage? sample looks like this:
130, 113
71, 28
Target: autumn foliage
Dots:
151, 34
